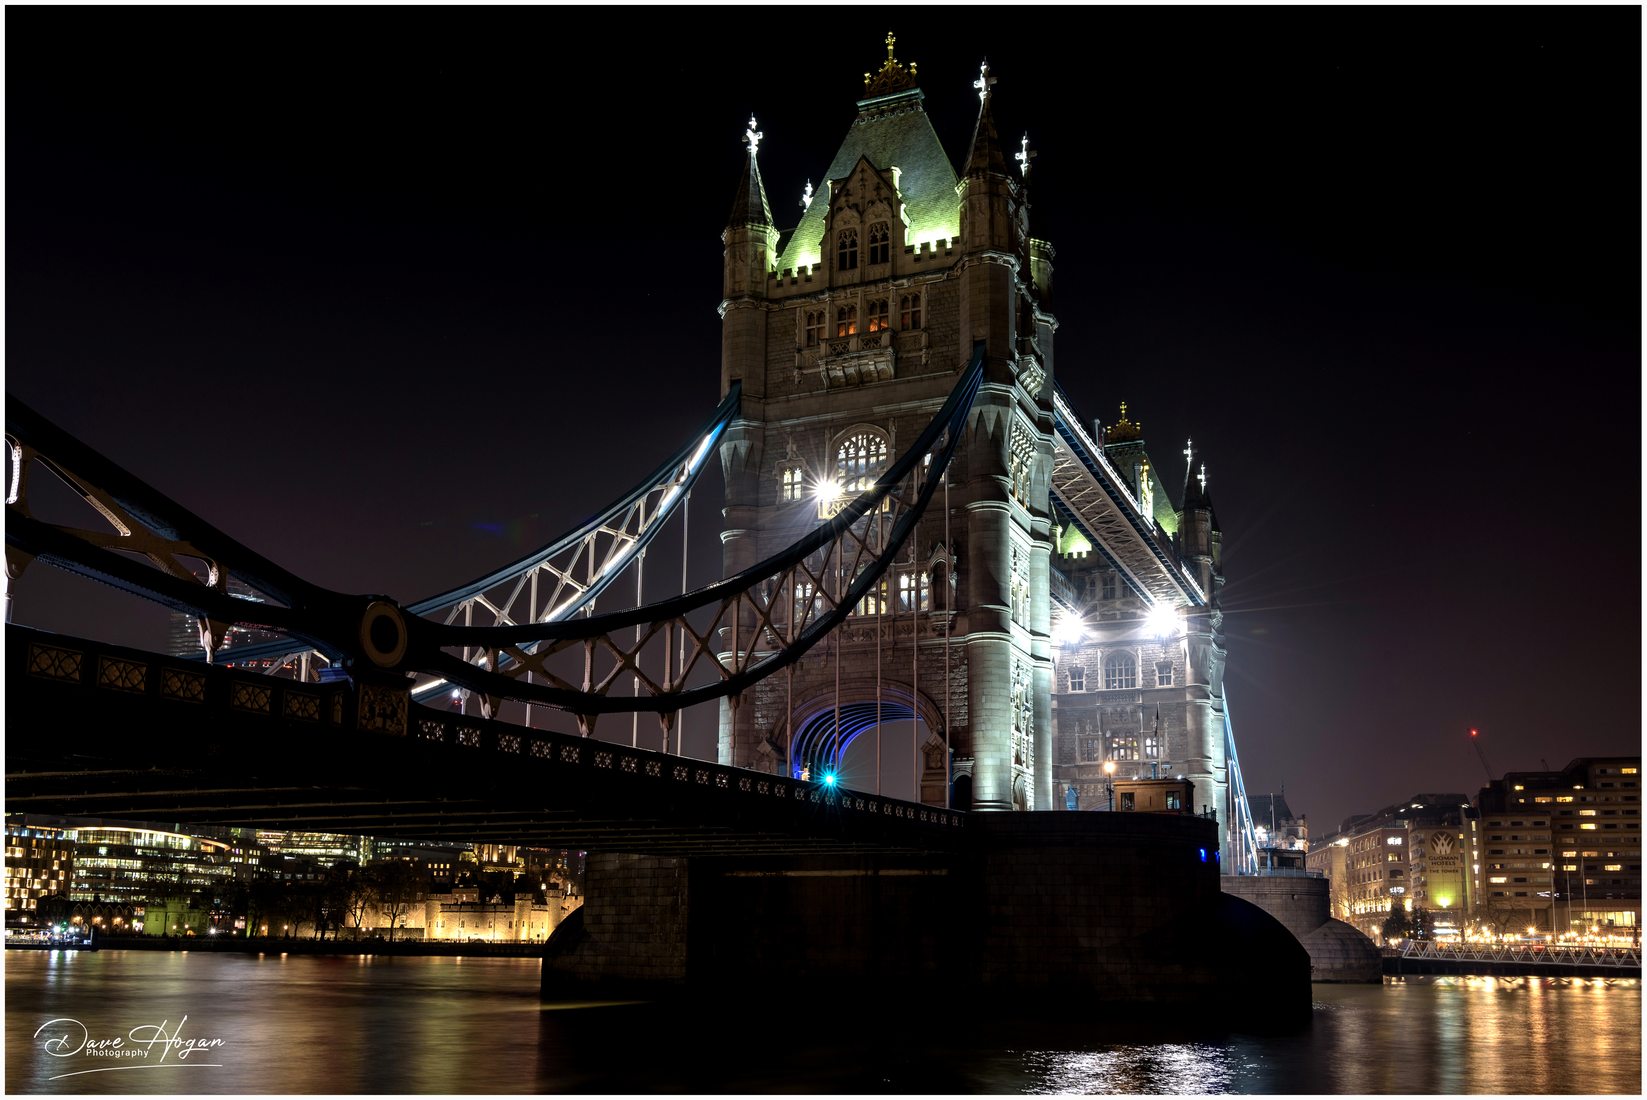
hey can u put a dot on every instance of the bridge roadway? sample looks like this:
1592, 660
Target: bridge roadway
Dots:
96, 730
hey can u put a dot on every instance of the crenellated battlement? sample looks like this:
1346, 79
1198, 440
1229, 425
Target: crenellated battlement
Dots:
921, 255
928, 250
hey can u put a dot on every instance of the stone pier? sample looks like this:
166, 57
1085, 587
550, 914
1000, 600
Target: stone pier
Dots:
1055, 913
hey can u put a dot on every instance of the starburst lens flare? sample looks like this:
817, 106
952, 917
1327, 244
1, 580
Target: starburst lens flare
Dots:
1164, 621
1068, 629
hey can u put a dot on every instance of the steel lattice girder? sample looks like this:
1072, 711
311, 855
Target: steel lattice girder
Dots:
1109, 517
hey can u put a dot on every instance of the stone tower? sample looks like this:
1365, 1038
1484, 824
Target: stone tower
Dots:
847, 333
1136, 689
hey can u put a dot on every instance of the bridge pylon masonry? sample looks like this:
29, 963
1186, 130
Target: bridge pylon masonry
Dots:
845, 332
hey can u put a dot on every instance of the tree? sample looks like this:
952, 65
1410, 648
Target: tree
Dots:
396, 886
1396, 925
1422, 925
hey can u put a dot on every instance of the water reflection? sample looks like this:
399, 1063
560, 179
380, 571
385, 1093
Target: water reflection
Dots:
327, 1024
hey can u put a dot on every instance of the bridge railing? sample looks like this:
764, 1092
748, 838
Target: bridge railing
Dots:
1521, 953
508, 741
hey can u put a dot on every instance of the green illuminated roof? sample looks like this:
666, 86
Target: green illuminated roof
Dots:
890, 131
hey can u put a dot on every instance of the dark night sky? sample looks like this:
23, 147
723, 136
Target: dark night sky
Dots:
393, 295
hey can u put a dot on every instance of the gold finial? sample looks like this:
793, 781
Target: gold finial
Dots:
893, 77
1123, 430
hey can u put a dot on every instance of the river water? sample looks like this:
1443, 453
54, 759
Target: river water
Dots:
187, 1023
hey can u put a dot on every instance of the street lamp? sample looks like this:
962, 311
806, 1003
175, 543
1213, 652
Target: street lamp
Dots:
1109, 782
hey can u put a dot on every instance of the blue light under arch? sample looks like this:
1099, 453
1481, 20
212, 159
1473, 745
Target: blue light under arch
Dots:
815, 739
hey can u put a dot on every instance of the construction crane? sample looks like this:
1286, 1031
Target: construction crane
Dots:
1475, 739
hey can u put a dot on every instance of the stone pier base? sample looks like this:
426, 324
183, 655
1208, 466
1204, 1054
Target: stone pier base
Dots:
1338, 951
1038, 913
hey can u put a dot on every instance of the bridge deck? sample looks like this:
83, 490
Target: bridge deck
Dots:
96, 730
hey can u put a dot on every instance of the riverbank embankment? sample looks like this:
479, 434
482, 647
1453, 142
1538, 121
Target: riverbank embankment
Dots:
263, 945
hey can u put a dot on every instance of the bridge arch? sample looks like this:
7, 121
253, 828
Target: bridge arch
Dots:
908, 721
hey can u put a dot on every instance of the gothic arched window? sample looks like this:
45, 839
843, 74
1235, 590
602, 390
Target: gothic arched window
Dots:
875, 316
847, 249
909, 310
846, 321
1120, 671
858, 460
792, 483
880, 243
814, 327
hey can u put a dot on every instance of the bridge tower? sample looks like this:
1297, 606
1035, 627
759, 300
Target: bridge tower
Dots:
1139, 695
847, 333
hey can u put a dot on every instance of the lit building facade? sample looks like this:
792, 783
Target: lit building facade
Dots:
846, 334
323, 849
140, 862
39, 864
1589, 877
465, 916
1421, 854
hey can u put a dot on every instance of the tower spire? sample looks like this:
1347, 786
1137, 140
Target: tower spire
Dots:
749, 206
986, 155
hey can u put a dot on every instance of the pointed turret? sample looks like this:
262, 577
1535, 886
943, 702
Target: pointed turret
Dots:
1199, 534
750, 238
985, 155
750, 208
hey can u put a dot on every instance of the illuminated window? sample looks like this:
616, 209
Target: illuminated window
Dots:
1588, 825
880, 244
1120, 671
1077, 679
909, 310
846, 249
807, 604
846, 321
1392, 840
814, 327
1123, 746
1518, 787
874, 601
1564, 798
858, 460
1163, 674
1496, 879
914, 591
1542, 798
1586, 813
792, 483
875, 316
1627, 771
1152, 746
1612, 867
